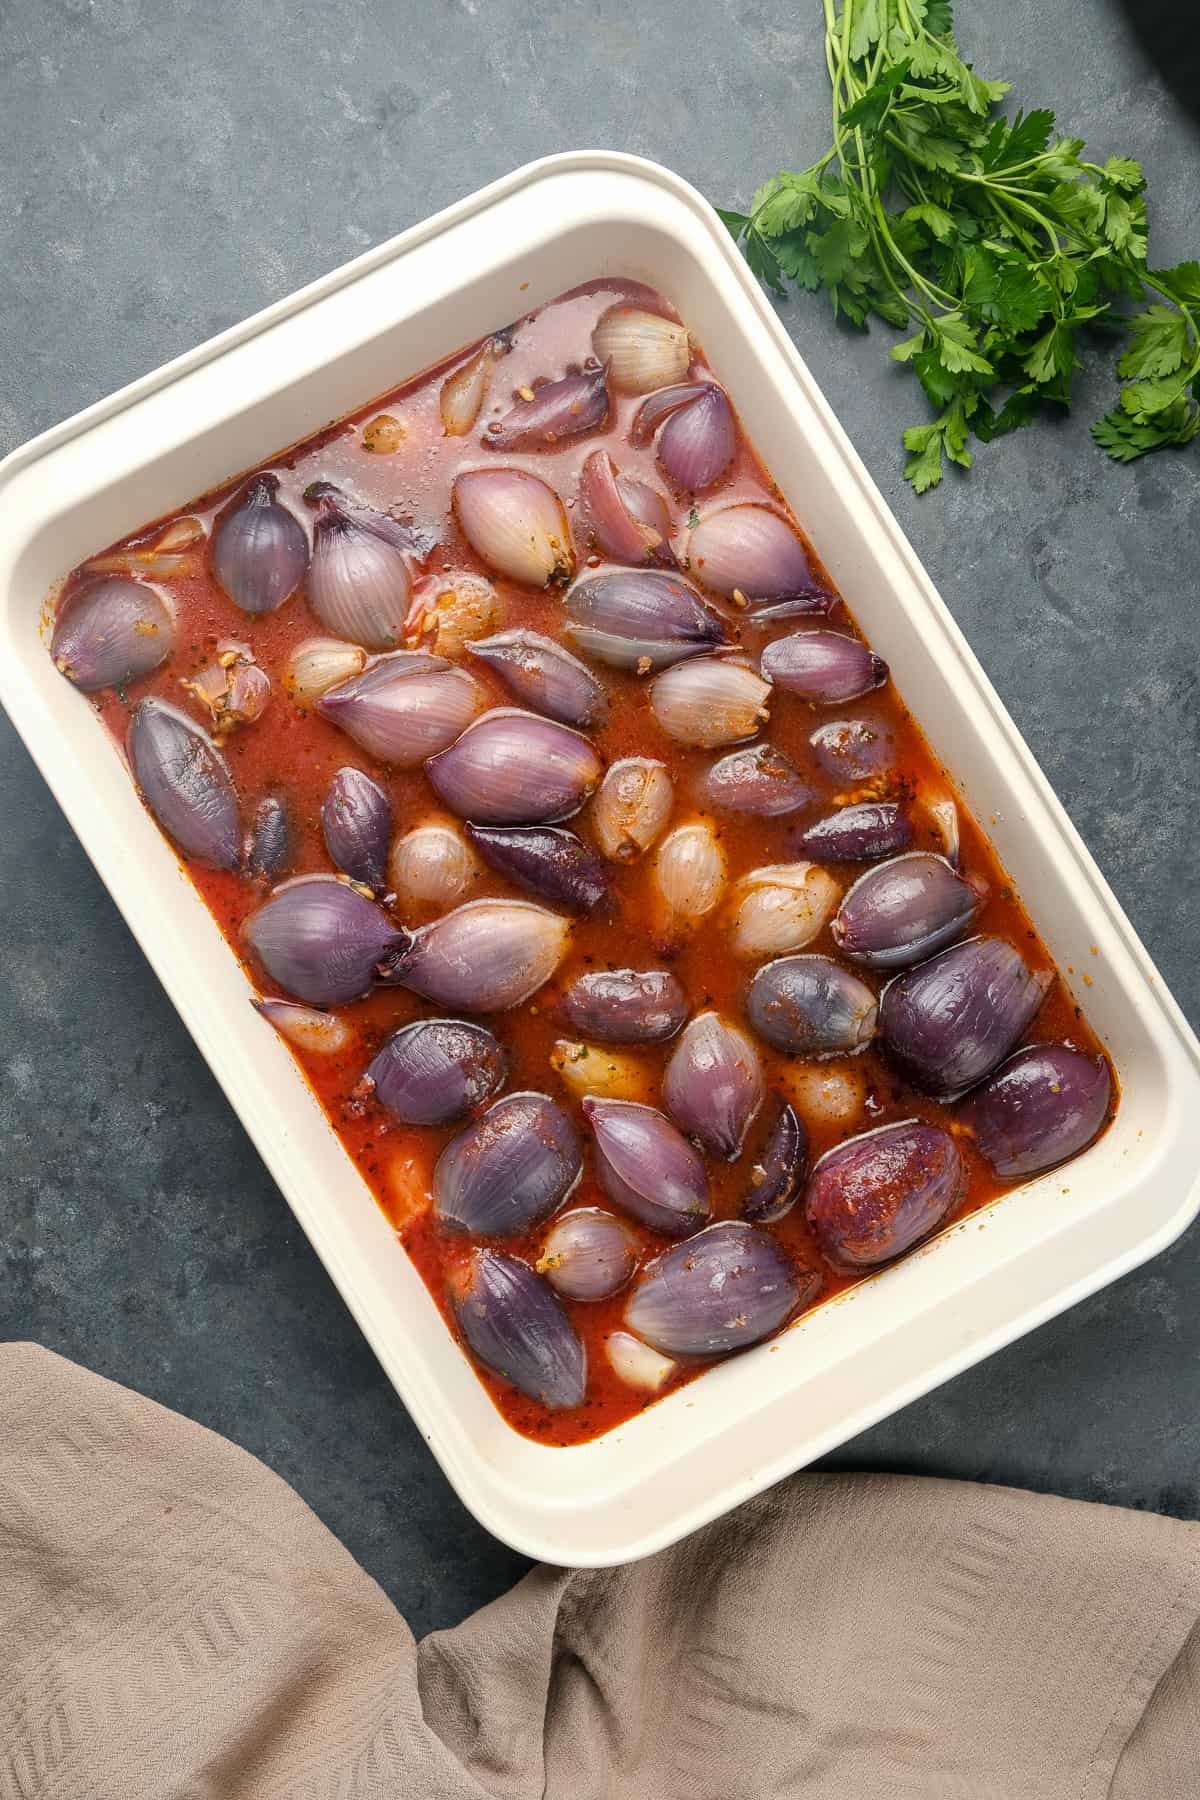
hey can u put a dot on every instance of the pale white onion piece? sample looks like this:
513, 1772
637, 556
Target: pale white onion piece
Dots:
824, 1093
690, 871
319, 664
599, 1069
709, 702
636, 1364
431, 867
632, 806
780, 908
463, 391
516, 523
321, 1033
643, 350
448, 612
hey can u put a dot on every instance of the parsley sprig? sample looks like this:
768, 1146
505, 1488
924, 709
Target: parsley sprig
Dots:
993, 237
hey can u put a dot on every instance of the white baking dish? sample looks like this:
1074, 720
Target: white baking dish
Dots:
331, 348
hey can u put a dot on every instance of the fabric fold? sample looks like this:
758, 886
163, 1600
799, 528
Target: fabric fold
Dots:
175, 1622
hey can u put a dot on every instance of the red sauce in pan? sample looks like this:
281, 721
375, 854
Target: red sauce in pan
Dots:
296, 753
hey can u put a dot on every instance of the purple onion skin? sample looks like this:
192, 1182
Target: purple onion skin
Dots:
697, 443
723, 1290
626, 1006
185, 783
647, 1167
627, 519
484, 956
949, 1021
509, 1170
750, 551
559, 410
857, 834
271, 842
808, 1005
323, 942
713, 1085
515, 768
758, 780
777, 1174
404, 706
514, 1324
435, 1071
110, 634
259, 549
827, 667
543, 676
356, 821
851, 750
544, 860
904, 910
627, 617
1043, 1105
874, 1196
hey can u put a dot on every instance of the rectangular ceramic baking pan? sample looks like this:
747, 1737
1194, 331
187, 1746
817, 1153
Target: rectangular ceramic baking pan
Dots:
331, 348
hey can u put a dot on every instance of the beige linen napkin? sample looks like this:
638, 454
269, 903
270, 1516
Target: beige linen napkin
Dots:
176, 1625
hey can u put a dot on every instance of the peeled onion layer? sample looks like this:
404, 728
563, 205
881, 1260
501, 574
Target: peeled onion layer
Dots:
951, 1020
647, 1167
641, 619
626, 1006
904, 910
324, 942
588, 1254
270, 848
728, 1287
780, 908
434, 1071
858, 833
713, 1086
759, 780
689, 872
643, 350
320, 1033
508, 1170
543, 676
754, 556
231, 691
358, 582
431, 867
632, 806
824, 667
515, 768
515, 1325
111, 633
559, 410
545, 860
1042, 1106
636, 1364
777, 1174
627, 519
403, 707
483, 957
259, 548
319, 664
710, 703
810, 1006
852, 750
185, 783
874, 1196
516, 524
356, 822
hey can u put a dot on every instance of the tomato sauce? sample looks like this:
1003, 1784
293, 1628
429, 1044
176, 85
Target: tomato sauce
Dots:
395, 456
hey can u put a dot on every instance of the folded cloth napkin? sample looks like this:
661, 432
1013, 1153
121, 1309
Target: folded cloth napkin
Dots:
175, 1624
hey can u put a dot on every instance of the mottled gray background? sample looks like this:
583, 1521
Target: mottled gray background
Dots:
165, 170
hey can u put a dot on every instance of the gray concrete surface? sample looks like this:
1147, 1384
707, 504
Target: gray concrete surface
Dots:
167, 169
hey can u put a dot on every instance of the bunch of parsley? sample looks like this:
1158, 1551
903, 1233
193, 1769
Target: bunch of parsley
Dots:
993, 237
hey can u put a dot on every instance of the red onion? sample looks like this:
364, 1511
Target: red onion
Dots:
641, 619
111, 633
626, 1006
647, 1167
545, 860
485, 956
259, 548
777, 1173
434, 1071
904, 910
542, 675
513, 1322
403, 707
759, 780
713, 1086
588, 1254
949, 1021
558, 410
324, 942
516, 524
356, 821
874, 1196
185, 782
1042, 1106
809, 1006
271, 841
628, 520
858, 833
509, 1170
697, 442
726, 1288
852, 750
823, 666
358, 584
750, 554
515, 768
